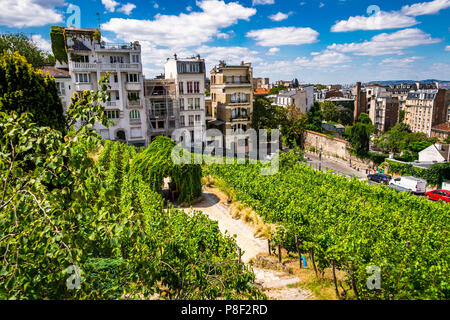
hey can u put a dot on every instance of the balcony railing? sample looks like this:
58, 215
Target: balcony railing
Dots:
134, 103
83, 66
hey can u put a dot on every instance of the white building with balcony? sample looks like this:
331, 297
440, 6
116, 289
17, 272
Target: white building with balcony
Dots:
89, 60
189, 77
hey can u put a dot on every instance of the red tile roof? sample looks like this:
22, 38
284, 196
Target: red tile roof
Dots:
55, 72
442, 127
261, 91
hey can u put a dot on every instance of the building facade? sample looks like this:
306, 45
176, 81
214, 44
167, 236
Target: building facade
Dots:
162, 107
426, 109
189, 78
261, 83
232, 99
383, 112
302, 98
89, 60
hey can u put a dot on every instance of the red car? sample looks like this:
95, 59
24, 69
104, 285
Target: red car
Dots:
437, 195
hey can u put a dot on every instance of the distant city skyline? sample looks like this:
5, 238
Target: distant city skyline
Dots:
316, 41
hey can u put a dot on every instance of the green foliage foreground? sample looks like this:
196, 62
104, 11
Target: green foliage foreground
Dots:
60, 207
354, 224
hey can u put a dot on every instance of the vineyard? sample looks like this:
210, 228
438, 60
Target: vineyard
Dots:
351, 226
90, 206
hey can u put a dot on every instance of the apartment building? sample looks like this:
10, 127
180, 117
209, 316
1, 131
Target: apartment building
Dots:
383, 112
88, 60
162, 107
63, 82
426, 109
261, 83
302, 98
232, 100
189, 77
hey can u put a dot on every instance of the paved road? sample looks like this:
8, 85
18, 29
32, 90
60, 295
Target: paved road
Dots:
340, 166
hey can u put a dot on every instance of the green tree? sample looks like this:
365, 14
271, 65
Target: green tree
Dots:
401, 116
276, 90
359, 134
24, 89
12, 42
330, 111
345, 116
314, 118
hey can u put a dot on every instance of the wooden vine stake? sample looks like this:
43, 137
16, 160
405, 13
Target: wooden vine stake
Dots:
279, 253
268, 245
333, 268
298, 251
311, 252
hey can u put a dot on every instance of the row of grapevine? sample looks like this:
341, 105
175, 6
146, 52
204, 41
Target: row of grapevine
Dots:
166, 252
354, 226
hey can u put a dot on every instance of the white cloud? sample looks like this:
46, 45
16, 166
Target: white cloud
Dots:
321, 5
447, 48
155, 5
189, 8
28, 13
127, 8
42, 43
280, 16
424, 8
391, 20
379, 21
387, 43
184, 30
273, 51
399, 62
328, 58
283, 36
110, 5
302, 3
225, 35
256, 2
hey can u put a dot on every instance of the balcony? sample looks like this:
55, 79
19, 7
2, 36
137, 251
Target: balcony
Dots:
80, 86
135, 121
134, 103
124, 47
82, 66
121, 67
133, 86
113, 103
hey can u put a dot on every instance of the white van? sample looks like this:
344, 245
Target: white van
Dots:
416, 185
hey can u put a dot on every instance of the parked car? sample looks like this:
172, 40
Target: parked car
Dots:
380, 178
415, 185
399, 189
437, 195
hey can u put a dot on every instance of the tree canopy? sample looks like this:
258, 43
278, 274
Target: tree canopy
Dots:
18, 42
24, 89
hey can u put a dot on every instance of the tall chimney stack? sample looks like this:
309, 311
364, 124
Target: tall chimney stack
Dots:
357, 102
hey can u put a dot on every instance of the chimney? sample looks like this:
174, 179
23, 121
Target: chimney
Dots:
175, 56
198, 57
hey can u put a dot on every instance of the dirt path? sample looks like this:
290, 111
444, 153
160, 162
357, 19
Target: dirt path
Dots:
274, 283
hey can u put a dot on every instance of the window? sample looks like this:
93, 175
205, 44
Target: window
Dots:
181, 104
198, 118
115, 59
238, 97
189, 87
191, 121
83, 78
181, 87
161, 124
133, 77
196, 87
190, 103
61, 88
133, 96
197, 103
230, 79
112, 114
182, 122
135, 58
135, 114
116, 78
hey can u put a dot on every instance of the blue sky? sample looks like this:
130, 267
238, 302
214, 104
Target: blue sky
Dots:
316, 41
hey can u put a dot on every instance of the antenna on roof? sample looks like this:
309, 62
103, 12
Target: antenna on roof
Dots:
98, 18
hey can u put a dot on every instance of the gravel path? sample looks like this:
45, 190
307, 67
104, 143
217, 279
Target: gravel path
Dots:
274, 283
